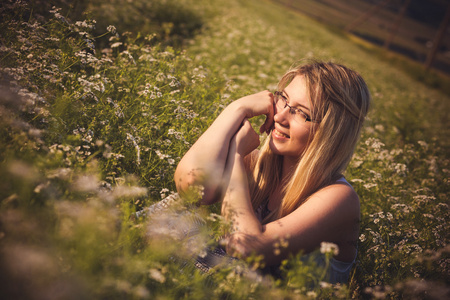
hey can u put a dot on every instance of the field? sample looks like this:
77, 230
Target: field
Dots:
97, 109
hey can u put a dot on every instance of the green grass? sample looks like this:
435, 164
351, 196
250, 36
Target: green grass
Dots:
92, 129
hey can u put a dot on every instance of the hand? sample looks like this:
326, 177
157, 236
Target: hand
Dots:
246, 139
259, 104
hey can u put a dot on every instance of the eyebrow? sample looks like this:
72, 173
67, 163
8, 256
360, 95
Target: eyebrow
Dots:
284, 91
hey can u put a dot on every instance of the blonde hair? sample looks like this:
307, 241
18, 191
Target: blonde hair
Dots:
340, 100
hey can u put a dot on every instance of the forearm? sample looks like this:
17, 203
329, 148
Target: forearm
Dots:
236, 206
204, 163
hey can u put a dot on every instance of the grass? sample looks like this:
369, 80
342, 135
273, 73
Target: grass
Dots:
92, 128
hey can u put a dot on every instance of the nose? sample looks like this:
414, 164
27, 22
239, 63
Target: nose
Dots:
282, 116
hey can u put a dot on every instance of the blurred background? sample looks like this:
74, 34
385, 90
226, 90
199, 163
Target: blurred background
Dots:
417, 29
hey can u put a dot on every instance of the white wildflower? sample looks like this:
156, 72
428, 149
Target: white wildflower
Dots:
136, 146
141, 292
86, 183
400, 169
375, 174
62, 173
401, 207
161, 155
395, 152
197, 190
129, 191
166, 54
390, 217
374, 143
41, 186
356, 163
163, 193
362, 237
111, 29
116, 44
83, 24
423, 144
326, 247
311, 294
369, 185
324, 284
160, 77
155, 274
357, 180
443, 205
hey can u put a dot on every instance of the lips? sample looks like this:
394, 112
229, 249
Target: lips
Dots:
280, 134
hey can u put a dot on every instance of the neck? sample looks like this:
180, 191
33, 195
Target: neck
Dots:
289, 164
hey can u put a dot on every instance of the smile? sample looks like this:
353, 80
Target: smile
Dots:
279, 134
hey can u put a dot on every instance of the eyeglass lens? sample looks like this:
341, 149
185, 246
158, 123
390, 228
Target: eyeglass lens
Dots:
282, 103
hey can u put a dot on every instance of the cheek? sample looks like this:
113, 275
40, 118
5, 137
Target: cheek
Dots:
300, 135
301, 139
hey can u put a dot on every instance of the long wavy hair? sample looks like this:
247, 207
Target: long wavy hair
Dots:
340, 100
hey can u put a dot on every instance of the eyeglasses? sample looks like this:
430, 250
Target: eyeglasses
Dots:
297, 114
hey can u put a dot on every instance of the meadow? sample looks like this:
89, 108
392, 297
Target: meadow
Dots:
98, 103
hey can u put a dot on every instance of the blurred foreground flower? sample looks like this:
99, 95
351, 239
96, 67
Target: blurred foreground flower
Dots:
326, 247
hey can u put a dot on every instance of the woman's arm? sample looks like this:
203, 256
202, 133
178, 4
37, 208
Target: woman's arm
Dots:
204, 163
236, 205
330, 214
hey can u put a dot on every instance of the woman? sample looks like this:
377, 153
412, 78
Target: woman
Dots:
292, 189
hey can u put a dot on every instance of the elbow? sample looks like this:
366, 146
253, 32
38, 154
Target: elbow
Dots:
190, 184
182, 181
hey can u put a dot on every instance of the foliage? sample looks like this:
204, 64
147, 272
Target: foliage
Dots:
92, 128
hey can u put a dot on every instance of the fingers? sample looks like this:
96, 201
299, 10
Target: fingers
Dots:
270, 117
268, 123
263, 127
245, 123
257, 104
246, 128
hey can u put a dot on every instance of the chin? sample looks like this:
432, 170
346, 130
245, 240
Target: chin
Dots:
274, 148
278, 149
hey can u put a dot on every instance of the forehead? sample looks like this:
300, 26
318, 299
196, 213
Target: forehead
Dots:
298, 92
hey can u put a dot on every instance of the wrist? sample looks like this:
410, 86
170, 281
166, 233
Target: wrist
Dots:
240, 109
238, 156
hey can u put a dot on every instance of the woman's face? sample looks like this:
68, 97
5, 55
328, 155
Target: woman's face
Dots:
289, 136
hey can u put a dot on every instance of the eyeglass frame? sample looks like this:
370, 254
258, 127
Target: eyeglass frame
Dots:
279, 94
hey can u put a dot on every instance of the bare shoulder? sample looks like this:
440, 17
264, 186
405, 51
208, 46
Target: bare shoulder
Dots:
330, 214
339, 198
340, 190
